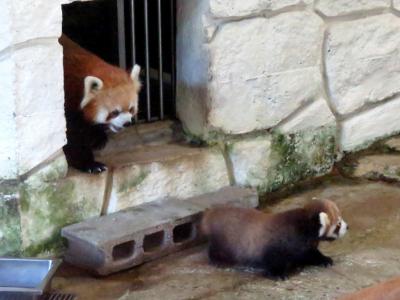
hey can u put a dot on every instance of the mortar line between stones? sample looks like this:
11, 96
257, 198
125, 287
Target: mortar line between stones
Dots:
107, 192
326, 90
26, 44
370, 106
220, 22
353, 16
263, 13
43, 164
394, 11
303, 106
228, 162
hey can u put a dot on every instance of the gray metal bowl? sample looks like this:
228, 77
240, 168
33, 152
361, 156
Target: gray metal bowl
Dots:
30, 276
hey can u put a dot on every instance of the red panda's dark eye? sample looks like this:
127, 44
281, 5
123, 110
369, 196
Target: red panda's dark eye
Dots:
132, 110
114, 114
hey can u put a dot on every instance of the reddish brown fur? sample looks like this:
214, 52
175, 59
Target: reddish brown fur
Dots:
119, 88
277, 242
244, 228
388, 290
248, 226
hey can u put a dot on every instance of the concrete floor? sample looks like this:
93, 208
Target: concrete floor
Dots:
368, 254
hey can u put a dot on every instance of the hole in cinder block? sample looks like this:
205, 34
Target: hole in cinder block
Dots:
123, 250
182, 232
153, 241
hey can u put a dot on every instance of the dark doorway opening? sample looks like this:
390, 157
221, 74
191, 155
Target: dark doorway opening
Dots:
125, 32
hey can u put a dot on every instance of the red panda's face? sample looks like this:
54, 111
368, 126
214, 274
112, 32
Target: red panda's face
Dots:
332, 224
114, 106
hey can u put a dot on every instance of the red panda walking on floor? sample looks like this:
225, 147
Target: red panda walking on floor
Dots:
278, 243
98, 97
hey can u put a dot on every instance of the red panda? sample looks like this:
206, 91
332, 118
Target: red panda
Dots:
388, 290
98, 97
277, 243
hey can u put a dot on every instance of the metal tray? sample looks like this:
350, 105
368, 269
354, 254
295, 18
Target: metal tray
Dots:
30, 276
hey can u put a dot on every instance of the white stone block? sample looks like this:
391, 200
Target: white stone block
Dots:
38, 137
396, 4
363, 61
240, 8
315, 115
370, 125
263, 70
8, 145
251, 161
5, 24
39, 79
32, 98
343, 7
25, 20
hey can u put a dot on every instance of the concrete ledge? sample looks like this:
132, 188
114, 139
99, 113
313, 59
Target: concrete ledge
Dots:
131, 237
166, 171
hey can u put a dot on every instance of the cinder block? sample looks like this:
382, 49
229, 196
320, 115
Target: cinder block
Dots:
131, 237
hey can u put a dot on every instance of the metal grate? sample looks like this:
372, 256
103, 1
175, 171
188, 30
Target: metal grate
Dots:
126, 32
146, 35
50, 296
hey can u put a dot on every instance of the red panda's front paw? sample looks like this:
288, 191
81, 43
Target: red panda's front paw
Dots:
96, 168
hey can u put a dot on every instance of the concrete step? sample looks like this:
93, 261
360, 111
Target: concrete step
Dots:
152, 161
136, 136
149, 173
133, 236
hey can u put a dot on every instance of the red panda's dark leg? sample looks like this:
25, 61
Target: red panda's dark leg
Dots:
218, 254
82, 138
278, 263
314, 257
81, 158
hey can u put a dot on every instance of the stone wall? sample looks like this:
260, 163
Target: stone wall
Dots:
288, 85
31, 85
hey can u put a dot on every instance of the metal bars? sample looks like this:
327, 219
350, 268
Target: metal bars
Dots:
121, 33
147, 29
160, 60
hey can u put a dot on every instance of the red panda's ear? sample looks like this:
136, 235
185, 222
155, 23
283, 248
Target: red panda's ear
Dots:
135, 73
324, 223
91, 86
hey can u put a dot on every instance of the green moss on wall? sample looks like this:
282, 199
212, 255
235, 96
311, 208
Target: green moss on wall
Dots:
10, 227
131, 183
299, 156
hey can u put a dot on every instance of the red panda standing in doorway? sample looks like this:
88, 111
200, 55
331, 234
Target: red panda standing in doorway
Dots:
98, 97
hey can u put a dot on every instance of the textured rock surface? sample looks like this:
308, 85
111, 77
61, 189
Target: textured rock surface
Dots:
27, 20
343, 7
272, 162
240, 8
10, 227
251, 161
34, 96
362, 61
268, 80
396, 4
359, 131
378, 167
367, 254
167, 171
394, 143
33, 212
46, 207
